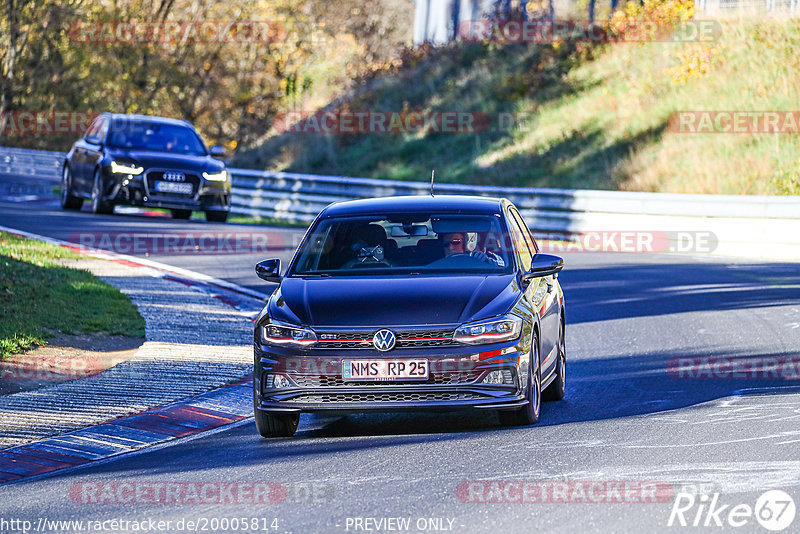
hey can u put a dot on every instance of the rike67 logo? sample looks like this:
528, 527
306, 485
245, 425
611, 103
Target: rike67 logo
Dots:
774, 510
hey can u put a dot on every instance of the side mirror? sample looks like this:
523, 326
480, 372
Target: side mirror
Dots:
269, 270
543, 265
217, 151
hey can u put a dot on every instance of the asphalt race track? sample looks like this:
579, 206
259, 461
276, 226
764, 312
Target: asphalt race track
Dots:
720, 437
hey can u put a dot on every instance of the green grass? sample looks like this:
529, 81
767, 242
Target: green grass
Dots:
595, 118
266, 221
39, 298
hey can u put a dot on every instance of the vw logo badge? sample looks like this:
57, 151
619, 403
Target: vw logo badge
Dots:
384, 340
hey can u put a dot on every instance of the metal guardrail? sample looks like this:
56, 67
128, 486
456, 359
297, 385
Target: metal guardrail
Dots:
759, 226
775, 8
302, 196
38, 163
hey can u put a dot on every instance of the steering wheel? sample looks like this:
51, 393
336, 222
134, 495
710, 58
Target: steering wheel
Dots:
358, 264
485, 257
368, 257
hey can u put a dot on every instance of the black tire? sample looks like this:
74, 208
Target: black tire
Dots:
528, 414
181, 214
99, 206
217, 216
558, 387
274, 426
68, 202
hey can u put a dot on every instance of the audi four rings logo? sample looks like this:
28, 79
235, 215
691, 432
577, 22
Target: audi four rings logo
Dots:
384, 340
174, 176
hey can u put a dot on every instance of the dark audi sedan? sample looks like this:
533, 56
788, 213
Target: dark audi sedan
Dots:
411, 303
149, 161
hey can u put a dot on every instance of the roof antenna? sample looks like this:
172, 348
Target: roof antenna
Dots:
432, 174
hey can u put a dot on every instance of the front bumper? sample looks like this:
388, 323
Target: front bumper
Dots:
455, 382
137, 191
421, 399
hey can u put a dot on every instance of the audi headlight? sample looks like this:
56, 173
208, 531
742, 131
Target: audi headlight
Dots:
125, 168
220, 176
505, 328
288, 335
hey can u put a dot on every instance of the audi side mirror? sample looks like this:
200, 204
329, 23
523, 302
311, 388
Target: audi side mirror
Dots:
269, 270
543, 265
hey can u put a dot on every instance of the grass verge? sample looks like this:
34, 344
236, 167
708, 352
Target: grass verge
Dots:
40, 298
265, 221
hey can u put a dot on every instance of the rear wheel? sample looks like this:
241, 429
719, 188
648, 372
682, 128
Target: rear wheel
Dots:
528, 414
68, 202
274, 426
99, 205
556, 390
217, 216
181, 214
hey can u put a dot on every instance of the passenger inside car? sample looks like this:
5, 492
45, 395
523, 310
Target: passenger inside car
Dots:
417, 243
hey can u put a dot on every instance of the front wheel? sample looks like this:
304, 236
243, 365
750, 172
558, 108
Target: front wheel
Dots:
181, 214
99, 205
68, 202
556, 390
217, 216
274, 426
528, 414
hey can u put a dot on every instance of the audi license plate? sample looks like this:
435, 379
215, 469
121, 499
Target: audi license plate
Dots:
384, 370
174, 187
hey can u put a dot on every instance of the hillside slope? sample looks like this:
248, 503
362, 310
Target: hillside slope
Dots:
584, 117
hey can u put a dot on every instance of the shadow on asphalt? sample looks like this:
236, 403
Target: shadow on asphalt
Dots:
598, 388
660, 289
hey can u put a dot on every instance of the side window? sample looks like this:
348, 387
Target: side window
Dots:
93, 132
520, 243
101, 135
526, 232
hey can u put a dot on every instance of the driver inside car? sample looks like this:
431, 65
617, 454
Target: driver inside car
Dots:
456, 243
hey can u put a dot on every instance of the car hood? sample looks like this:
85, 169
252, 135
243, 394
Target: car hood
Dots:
162, 160
395, 301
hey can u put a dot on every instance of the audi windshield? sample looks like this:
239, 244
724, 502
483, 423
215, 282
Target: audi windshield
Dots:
155, 137
417, 244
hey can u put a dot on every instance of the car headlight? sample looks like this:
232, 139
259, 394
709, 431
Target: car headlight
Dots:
125, 168
284, 334
505, 328
220, 176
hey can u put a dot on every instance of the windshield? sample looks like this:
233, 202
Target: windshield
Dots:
155, 136
422, 243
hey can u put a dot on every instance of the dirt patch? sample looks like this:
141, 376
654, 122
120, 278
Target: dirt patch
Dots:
65, 358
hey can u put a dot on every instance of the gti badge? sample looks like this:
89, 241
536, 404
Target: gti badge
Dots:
384, 340
172, 176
